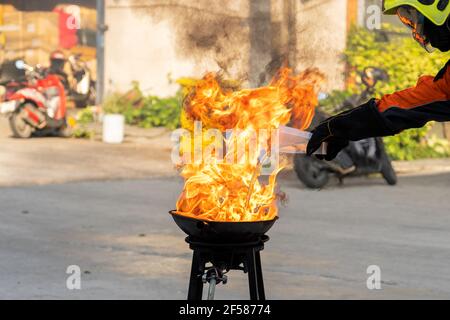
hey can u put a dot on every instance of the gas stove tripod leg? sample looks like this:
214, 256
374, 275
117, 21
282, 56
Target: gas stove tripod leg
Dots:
259, 276
254, 276
196, 283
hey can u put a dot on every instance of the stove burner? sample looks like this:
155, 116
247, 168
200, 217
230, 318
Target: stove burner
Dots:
222, 258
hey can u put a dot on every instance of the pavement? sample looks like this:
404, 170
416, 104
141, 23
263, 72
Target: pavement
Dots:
127, 246
145, 153
104, 208
46, 160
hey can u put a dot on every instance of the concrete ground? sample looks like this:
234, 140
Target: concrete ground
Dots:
146, 153
128, 247
55, 160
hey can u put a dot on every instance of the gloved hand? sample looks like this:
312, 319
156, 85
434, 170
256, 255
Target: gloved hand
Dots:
359, 123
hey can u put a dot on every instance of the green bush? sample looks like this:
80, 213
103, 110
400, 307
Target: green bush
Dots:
81, 128
402, 57
145, 111
160, 112
334, 99
414, 144
405, 61
83, 133
85, 116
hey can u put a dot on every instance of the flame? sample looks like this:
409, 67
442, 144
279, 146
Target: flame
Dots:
220, 191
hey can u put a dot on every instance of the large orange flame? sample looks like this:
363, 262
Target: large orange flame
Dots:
221, 191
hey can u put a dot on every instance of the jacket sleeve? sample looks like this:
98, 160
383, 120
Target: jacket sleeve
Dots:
428, 101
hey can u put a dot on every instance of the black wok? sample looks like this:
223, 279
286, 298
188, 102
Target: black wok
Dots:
222, 232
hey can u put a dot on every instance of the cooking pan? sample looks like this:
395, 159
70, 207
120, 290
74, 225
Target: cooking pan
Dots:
222, 232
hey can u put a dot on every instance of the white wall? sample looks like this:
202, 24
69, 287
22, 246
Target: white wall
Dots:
321, 38
150, 40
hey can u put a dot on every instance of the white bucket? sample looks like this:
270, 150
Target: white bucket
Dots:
113, 128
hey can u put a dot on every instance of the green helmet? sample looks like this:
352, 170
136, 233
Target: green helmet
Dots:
437, 11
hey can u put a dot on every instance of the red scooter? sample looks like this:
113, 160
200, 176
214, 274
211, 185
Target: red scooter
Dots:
36, 105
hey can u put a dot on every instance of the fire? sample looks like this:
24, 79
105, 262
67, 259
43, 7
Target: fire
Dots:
218, 190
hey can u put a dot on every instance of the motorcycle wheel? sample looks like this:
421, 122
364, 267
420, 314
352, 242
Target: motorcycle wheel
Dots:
310, 171
80, 104
65, 131
81, 101
387, 170
19, 126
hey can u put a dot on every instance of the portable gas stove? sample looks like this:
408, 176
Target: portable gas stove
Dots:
219, 247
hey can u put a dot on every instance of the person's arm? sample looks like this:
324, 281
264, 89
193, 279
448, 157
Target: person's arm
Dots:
411, 108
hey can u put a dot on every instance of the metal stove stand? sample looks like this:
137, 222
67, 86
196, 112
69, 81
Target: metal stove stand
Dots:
211, 262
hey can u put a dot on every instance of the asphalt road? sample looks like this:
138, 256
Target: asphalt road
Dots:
127, 246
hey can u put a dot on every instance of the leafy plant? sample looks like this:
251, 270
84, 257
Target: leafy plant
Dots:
85, 116
83, 133
80, 126
403, 59
335, 98
145, 111
414, 144
160, 112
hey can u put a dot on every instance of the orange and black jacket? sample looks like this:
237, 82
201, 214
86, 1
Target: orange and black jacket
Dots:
428, 101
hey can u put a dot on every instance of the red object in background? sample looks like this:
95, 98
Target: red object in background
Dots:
67, 30
36, 92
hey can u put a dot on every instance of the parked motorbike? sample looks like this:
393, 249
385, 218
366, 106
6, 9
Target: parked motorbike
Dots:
36, 104
359, 158
80, 88
83, 91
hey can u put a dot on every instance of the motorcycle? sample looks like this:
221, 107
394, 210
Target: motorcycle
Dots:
83, 91
80, 88
359, 158
35, 105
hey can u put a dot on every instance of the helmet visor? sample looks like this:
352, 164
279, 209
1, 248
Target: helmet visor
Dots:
416, 22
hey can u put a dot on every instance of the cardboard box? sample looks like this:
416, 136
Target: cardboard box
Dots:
88, 18
30, 30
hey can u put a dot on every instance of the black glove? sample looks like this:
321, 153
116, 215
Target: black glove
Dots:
359, 123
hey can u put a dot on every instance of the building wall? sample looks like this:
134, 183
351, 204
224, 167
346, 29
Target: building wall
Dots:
154, 41
321, 38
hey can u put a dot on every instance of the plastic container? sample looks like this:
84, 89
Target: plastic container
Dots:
293, 140
113, 128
